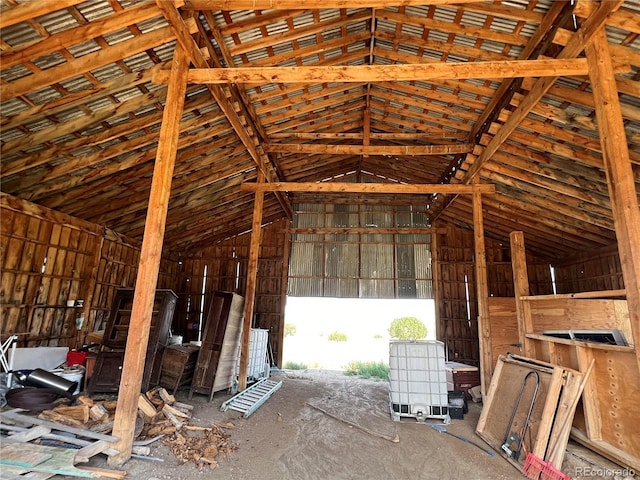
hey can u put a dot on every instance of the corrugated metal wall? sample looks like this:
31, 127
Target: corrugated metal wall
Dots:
360, 265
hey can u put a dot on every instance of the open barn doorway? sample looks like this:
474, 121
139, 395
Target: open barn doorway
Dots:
331, 333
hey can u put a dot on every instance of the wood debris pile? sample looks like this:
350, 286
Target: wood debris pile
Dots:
188, 442
200, 445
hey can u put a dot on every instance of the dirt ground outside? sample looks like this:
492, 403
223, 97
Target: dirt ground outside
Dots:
285, 439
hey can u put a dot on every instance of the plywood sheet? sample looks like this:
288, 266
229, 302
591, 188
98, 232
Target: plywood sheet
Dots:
504, 327
228, 364
617, 382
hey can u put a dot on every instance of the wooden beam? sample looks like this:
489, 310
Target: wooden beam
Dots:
386, 73
521, 288
250, 290
284, 280
417, 136
367, 149
315, 4
435, 283
364, 231
482, 293
392, 188
620, 178
150, 255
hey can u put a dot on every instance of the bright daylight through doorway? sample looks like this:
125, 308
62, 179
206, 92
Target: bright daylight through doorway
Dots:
315, 329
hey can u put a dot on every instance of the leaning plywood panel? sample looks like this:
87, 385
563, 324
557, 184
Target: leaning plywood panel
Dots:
229, 363
521, 385
504, 327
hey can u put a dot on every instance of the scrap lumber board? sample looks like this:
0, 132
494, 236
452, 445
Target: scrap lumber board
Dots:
26, 434
58, 461
17, 473
18, 456
16, 416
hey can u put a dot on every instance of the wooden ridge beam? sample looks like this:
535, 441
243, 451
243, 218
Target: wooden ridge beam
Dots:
364, 188
385, 73
368, 149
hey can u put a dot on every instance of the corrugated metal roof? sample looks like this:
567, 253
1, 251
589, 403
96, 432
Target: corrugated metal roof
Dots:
50, 122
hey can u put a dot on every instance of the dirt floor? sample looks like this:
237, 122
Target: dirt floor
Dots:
285, 439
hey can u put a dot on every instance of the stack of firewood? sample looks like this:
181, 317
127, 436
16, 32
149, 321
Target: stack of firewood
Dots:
159, 416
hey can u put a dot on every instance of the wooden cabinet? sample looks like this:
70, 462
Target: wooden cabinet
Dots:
108, 368
219, 356
178, 365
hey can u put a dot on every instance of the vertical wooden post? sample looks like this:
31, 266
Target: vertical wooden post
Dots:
149, 266
435, 285
620, 177
286, 253
250, 291
521, 289
482, 292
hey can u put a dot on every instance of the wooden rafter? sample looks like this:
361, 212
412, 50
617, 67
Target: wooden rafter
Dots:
539, 89
89, 62
28, 10
247, 138
539, 41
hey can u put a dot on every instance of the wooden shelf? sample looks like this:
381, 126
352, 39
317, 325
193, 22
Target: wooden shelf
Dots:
578, 343
25, 305
594, 295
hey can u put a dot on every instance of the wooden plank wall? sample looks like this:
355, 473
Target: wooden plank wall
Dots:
48, 258
593, 272
44, 264
227, 271
457, 318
